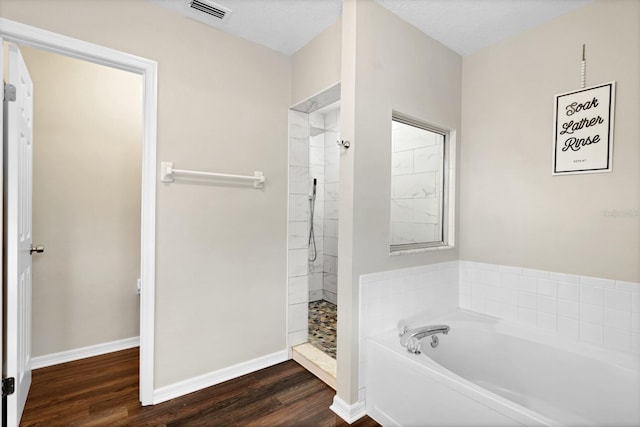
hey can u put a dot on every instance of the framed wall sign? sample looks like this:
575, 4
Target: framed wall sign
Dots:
583, 130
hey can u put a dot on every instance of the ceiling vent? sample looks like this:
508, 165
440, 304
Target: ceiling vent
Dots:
210, 8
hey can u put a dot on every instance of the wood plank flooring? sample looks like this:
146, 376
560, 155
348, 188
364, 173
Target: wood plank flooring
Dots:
103, 391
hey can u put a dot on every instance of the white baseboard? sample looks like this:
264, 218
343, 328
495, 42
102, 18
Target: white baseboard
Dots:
181, 388
83, 352
349, 413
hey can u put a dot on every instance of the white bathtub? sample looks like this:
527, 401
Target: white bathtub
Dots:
489, 372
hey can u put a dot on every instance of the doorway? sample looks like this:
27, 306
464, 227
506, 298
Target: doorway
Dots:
86, 207
25, 35
314, 159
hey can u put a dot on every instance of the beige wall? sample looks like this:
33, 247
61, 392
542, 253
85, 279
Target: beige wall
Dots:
222, 107
316, 66
86, 202
387, 65
514, 211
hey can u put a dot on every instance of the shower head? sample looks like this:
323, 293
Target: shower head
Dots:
313, 188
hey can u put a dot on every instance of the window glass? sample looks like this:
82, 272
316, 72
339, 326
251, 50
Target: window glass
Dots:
417, 186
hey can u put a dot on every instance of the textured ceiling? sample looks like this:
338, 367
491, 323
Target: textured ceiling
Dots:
463, 25
282, 25
469, 25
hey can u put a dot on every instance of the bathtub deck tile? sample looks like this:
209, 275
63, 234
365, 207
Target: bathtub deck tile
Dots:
635, 322
493, 278
635, 302
527, 284
567, 278
547, 305
617, 300
617, 339
493, 293
509, 280
539, 274
465, 286
592, 295
596, 281
568, 328
547, 322
465, 300
591, 314
509, 311
627, 286
478, 276
582, 308
568, 291
617, 319
478, 290
509, 269
528, 316
527, 300
509, 296
493, 308
569, 309
635, 343
591, 333
479, 304
547, 287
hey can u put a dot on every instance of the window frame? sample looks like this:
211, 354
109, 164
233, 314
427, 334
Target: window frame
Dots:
448, 186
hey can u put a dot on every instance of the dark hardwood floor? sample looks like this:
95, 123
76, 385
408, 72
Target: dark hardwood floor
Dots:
103, 391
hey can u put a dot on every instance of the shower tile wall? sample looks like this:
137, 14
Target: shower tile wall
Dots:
298, 270
313, 153
316, 170
331, 186
323, 161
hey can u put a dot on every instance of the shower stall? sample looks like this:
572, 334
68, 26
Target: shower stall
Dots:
314, 158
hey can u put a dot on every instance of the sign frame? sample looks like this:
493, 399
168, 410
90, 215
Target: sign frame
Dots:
583, 121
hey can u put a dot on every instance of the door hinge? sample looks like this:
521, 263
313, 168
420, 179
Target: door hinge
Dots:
8, 386
9, 93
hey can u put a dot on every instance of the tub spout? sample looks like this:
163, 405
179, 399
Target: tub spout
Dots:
411, 338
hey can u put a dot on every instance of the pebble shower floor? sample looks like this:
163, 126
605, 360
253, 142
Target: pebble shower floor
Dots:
323, 317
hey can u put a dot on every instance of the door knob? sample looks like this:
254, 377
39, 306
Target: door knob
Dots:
37, 249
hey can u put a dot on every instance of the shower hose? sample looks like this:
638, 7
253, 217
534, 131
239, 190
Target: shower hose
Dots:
313, 252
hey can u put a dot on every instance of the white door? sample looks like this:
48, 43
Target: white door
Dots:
2, 59
18, 158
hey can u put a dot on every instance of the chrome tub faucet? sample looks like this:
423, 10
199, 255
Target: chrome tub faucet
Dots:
410, 338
